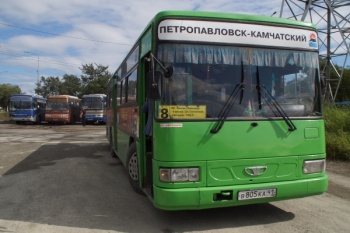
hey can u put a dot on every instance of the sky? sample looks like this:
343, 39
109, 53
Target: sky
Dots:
53, 38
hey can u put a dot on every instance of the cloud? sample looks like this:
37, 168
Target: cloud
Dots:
116, 24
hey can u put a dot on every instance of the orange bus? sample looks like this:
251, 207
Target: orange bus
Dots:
62, 108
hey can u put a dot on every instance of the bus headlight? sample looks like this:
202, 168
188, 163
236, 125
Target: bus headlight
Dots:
314, 166
64, 115
179, 174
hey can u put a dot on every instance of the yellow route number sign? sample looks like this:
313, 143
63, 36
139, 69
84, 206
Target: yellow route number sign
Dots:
182, 111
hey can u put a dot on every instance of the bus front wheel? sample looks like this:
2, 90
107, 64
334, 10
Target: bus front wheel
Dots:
133, 168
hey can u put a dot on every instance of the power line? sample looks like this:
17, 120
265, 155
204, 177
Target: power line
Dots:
21, 57
72, 37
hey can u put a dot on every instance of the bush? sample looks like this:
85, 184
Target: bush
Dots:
337, 124
4, 116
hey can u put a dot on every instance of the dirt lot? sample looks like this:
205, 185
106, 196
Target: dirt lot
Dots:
337, 185
62, 179
339, 167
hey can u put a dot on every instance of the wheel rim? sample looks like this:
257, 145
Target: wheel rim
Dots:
133, 170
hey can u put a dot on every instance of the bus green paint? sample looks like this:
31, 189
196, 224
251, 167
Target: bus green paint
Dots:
260, 142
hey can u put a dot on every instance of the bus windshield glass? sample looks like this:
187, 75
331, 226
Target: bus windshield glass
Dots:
206, 76
24, 103
92, 103
57, 106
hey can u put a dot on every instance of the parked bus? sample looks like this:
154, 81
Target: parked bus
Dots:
94, 104
27, 108
236, 111
62, 109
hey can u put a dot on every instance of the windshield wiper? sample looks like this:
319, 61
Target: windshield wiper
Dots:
271, 102
229, 103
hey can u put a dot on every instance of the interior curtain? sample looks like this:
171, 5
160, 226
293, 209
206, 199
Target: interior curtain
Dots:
210, 54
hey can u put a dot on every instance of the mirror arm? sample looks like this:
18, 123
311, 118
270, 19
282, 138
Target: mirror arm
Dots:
159, 63
168, 71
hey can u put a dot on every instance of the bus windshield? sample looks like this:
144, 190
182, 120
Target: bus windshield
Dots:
21, 103
92, 103
205, 76
57, 106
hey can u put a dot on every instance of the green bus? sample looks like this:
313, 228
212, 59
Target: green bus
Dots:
234, 111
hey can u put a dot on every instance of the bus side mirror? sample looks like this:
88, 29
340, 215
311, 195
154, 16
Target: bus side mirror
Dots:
154, 85
169, 70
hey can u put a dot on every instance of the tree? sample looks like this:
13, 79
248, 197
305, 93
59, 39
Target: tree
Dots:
344, 88
47, 86
6, 91
71, 85
94, 79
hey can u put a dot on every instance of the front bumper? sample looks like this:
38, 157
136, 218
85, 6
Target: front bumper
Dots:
28, 119
203, 197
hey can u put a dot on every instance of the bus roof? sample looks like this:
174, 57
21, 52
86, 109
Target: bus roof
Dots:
227, 17
62, 97
28, 95
94, 95
231, 16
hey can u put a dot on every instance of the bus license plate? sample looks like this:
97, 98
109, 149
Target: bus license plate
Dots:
255, 194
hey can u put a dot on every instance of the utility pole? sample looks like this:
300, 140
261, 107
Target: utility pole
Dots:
37, 71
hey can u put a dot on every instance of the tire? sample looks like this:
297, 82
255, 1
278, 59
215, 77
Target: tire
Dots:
113, 154
132, 168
